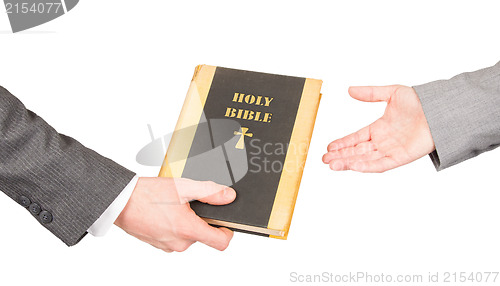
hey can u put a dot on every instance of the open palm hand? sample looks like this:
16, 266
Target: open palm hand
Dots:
399, 137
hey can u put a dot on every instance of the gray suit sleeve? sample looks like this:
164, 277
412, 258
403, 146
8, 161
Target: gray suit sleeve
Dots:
463, 114
63, 184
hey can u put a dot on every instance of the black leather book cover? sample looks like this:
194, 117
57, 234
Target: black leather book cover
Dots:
250, 131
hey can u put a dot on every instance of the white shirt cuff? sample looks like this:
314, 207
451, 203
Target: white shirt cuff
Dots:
102, 225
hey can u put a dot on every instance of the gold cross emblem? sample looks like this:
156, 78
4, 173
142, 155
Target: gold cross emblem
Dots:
243, 133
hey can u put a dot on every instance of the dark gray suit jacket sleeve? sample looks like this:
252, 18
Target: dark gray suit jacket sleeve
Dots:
64, 185
463, 115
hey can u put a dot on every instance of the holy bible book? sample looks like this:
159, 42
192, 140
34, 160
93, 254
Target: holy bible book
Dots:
251, 131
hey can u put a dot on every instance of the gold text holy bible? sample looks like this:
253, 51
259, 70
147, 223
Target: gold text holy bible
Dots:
250, 131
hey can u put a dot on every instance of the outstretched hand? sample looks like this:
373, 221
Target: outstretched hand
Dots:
158, 213
399, 137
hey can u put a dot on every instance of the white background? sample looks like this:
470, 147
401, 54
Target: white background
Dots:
105, 70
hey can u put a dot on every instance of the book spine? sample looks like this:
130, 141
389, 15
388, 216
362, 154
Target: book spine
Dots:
191, 113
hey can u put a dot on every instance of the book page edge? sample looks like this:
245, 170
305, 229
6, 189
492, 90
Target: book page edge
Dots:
288, 187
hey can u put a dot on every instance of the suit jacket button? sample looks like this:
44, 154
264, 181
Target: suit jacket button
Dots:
46, 217
35, 209
24, 201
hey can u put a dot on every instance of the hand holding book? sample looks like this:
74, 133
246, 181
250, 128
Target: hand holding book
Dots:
158, 213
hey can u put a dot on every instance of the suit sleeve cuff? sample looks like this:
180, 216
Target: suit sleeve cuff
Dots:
106, 220
461, 114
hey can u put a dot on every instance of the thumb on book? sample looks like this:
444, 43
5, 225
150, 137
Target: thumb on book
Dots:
206, 192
